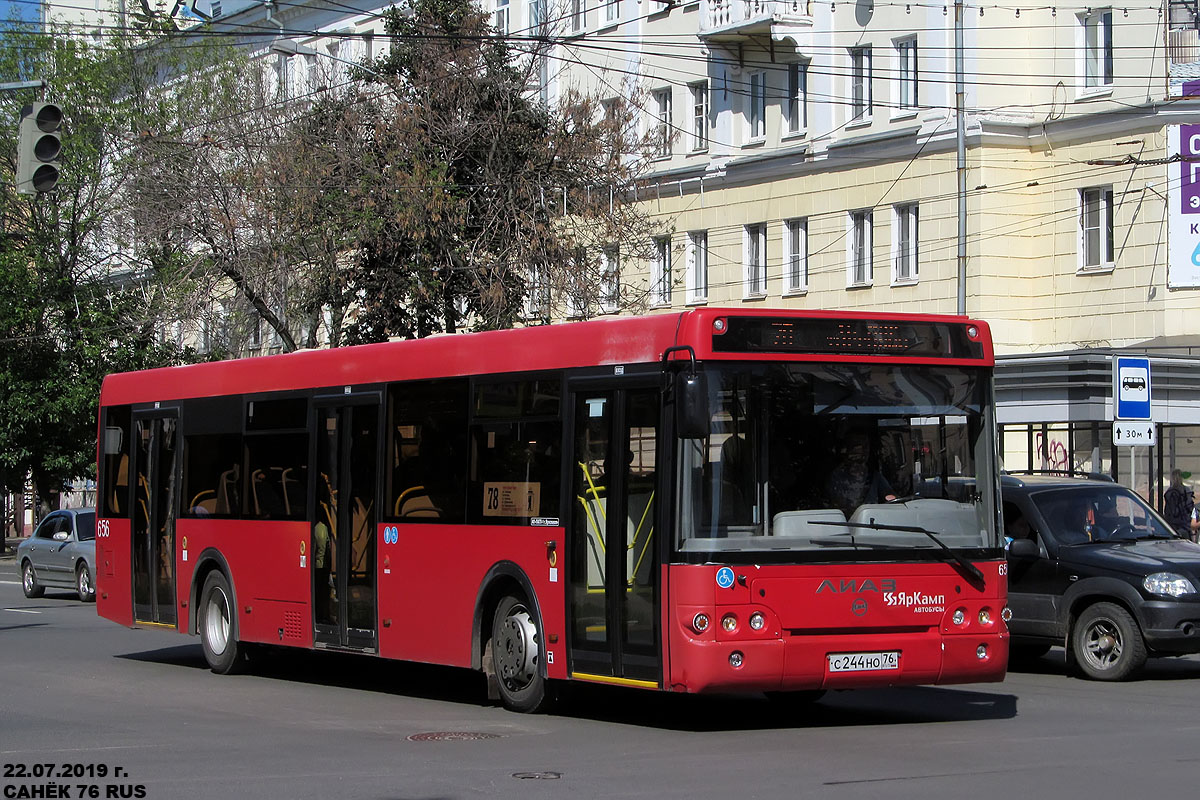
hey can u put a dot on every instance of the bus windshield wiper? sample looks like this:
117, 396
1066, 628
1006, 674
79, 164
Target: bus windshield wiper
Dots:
971, 571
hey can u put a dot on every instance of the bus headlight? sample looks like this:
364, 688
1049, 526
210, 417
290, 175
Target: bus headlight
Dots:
757, 621
729, 623
960, 616
735, 659
985, 616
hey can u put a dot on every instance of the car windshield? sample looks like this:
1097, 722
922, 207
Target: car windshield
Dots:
85, 525
820, 457
1099, 512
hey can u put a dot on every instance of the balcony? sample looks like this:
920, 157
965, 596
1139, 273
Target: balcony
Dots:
732, 21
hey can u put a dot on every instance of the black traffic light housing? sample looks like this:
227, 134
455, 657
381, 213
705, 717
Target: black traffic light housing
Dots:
39, 147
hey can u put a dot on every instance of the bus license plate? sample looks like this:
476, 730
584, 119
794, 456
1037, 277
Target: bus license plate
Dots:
864, 662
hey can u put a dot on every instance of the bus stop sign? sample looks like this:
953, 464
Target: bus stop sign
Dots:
1131, 388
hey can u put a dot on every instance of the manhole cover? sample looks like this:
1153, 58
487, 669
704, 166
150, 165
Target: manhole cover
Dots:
452, 736
537, 776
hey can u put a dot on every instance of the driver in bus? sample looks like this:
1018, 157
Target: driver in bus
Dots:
854, 481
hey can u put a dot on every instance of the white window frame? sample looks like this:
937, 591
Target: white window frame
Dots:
662, 122
754, 260
502, 17
697, 266
660, 272
1096, 233
756, 110
610, 279
612, 11
906, 243
860, 248
907, 75
795, 255
699, 95
861, 84
796, 100
1096, 54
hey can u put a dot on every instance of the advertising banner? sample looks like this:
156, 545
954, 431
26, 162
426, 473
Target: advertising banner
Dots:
1183, 206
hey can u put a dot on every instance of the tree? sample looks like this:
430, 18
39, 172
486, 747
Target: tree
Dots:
69, 311
495, 207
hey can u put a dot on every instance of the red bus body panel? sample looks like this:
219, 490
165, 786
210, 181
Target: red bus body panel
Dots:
114, 570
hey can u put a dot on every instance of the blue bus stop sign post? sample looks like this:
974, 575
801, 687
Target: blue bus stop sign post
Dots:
1132, 421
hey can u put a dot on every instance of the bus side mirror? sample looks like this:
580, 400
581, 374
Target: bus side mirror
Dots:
691, 406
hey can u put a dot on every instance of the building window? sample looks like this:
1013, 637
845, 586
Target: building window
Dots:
612, 10
795, 255
755, 260
662, 124
660, 272
697, 266
577, 12
860, 83
757, 113
537, 17
610, 280
858, 247
1096, 227
1097, 49
699, 92
906, 91
904, 243
500, 18
797, 97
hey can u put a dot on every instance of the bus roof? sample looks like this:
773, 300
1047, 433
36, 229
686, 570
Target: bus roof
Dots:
601, 342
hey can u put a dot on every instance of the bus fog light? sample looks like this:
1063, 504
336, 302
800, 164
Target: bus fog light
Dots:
960, 616
981, 652
729, 623
700, 623
757, 621
735, 659
985, 616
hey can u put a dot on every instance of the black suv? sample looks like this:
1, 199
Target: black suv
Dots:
1094, 568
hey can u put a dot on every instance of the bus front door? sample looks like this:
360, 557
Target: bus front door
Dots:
156, 474
343, 535
614, 564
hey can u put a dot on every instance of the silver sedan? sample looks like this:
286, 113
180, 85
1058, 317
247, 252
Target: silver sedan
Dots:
61, 553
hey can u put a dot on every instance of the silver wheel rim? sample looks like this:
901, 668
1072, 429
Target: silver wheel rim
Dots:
517, 649
216, 621
27, 578
1102, 644
85, 582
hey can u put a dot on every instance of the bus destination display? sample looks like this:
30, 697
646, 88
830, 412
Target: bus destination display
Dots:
865, 337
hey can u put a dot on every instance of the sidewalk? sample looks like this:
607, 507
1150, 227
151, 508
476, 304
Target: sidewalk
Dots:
10, 547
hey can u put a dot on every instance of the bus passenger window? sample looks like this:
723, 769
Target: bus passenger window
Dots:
114, 464
426, 481
276, 476
212, 475
515, 469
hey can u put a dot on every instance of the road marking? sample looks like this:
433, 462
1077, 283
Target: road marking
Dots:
21, 610
10, 583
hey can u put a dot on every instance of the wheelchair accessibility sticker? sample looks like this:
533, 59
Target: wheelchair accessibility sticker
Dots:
724, 577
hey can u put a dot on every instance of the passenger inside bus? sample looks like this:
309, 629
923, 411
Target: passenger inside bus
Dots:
857, 478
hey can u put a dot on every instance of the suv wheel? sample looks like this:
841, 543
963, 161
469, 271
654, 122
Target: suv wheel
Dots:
1107, 643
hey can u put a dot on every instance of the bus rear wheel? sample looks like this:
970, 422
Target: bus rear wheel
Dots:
218, 626
516, 657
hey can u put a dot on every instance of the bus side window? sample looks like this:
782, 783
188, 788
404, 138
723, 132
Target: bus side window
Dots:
427, 451
275, 475
114, 466
212, 466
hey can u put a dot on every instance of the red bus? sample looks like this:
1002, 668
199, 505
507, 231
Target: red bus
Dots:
708, 501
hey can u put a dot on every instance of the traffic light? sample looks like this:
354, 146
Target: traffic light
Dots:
39, 148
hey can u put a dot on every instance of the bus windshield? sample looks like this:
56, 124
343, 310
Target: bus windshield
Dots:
870, 458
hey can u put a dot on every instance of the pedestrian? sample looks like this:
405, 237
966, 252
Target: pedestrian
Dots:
1179, 507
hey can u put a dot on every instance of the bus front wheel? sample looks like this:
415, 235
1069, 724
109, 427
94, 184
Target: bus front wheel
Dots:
218, 626
517, 655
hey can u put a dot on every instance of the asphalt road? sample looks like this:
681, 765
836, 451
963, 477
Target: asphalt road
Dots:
137, 714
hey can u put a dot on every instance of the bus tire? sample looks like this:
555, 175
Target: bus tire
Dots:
218, 626
517, 656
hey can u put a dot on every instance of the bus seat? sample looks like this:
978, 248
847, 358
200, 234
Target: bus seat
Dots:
121, 485
227, 491
204, 502
360, 538
796, 524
